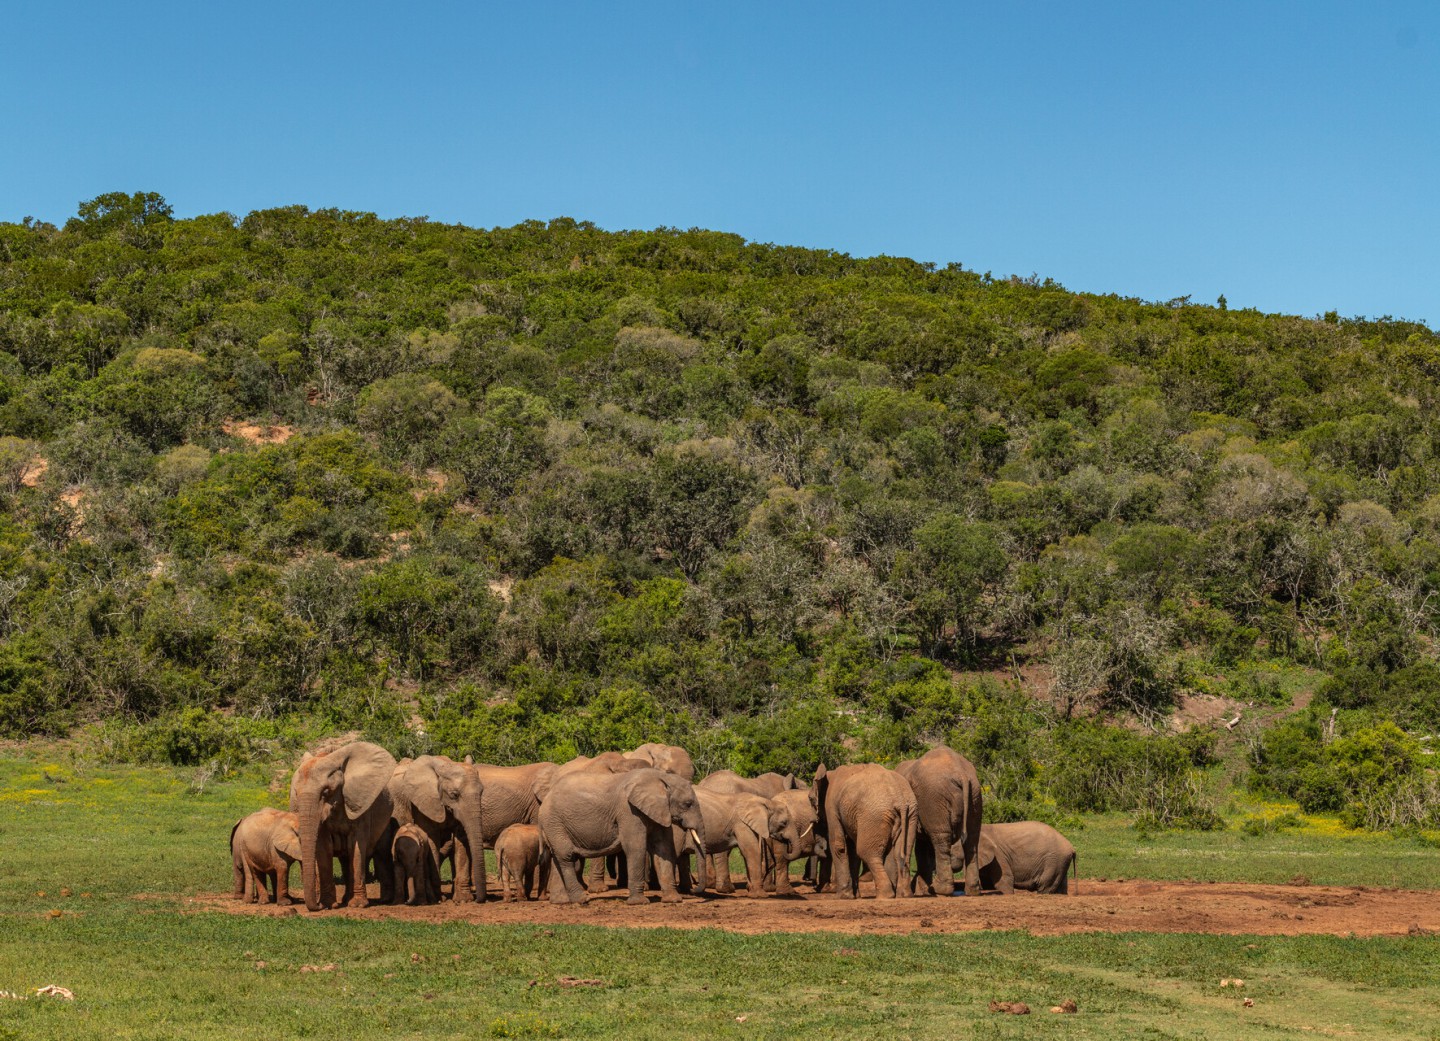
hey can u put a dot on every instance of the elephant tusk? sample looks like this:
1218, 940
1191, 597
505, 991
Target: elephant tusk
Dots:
808, 829
699, 846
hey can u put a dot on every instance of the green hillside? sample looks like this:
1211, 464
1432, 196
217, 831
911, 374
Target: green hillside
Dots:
545, 490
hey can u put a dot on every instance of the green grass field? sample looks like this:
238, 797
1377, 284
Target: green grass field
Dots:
129, 843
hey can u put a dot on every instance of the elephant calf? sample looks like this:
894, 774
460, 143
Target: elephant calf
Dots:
1027, 855
792, 837
262, 848
523, 861
417, 866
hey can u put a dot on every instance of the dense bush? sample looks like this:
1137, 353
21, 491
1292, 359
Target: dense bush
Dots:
536, 489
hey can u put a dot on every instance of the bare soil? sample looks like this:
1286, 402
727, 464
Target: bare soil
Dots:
1100, 906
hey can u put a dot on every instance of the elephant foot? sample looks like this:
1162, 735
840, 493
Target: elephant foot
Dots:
638, 899
597, 890
670, 898
844, 896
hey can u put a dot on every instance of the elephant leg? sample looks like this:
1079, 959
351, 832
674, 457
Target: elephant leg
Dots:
263, 886
356, 894
926, 878
971, 866
637, 879
595, 876
570, 877
1006, 884
666, 865
505, 876
462, 890
720, 868
880, 863
247, 884
282, 894
754, 859
780, 872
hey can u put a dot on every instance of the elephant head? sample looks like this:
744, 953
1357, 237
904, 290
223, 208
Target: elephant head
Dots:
667, 800
329, 792
790, 821
670, 758
449, 793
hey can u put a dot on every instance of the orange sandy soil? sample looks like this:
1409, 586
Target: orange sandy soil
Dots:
1101, 906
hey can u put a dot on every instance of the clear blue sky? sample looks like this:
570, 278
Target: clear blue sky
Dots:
1284, 154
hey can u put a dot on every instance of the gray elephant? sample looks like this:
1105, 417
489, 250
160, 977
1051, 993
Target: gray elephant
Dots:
1026, 855
523, 861
866, 813
948, 797
604, 763
792, 831
343, 802
766, 785
417, 866
733, 820
445, 799
670, 758
512, 795
590, 814
262, 848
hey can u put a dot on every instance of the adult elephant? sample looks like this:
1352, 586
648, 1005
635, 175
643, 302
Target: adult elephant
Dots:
733, 820
593, 814
604, 763
947, 794
670, 758
866, 813
444, 799
343, 802
1025, 855
512, 795
766, 785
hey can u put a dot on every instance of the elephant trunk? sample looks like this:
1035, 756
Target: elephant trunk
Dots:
475, 841
311, 850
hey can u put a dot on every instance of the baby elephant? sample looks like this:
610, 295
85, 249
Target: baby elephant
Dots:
1027, 855
520, 849
262, 848
417, 866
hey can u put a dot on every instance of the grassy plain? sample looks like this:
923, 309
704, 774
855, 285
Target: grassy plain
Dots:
129, 843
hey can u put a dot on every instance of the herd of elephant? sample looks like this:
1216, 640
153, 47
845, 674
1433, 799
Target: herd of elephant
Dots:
642, 815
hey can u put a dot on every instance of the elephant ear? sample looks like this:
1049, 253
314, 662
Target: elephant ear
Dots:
650, 795
818, 789
287, 840
368, 769
790, 783
544, 778
422, 787
755, 815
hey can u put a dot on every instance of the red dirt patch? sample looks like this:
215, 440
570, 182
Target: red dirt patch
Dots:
258, 434
34, 471
1111, 907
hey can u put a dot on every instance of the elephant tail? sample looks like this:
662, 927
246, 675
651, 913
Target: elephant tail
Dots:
237, 888
1075, 874
906, 844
